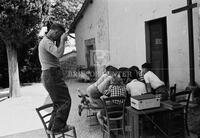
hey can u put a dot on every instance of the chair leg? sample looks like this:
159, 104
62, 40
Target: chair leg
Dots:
109, 134
63, 135
187, 129
49, 136
123, 131
186, 125
74, 132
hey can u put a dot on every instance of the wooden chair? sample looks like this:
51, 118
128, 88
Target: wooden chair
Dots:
114, 112
183, 97
45, 118
172, 92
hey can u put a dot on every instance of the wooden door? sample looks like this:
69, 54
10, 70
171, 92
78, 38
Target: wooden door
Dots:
156, 42
90, 56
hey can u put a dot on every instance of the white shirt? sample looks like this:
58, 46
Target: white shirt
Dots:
154, 81
136, 87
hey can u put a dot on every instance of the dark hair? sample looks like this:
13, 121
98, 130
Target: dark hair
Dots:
124, 73
146, 65
57, 26
134, 74
134, 68
111, 68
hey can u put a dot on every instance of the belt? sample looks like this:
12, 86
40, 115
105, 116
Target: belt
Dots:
160, 87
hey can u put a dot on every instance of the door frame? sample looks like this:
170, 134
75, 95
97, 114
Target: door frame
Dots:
165, 50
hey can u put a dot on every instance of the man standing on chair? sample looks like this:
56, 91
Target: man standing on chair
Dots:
52, 77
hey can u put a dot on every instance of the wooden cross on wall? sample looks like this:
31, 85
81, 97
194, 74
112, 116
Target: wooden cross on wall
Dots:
189, 8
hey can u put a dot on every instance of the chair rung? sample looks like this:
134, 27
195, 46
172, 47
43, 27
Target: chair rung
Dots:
115, 129
117, 118
65, 135
47, 122
46, 115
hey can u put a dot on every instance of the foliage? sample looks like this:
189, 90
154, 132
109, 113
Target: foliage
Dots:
19, 25
18, 21
29, 66
3, 66
64, 11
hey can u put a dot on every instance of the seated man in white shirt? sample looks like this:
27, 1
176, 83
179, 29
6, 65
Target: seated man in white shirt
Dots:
153, 82
135, 87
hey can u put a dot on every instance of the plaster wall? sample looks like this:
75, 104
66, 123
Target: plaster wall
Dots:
94, 24
127, 35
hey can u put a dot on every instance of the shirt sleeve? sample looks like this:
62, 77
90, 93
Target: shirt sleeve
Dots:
51, 48
146, 78
128, 88
101, 79
108, 91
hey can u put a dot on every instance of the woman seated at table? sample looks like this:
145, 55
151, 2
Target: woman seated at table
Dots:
135, 87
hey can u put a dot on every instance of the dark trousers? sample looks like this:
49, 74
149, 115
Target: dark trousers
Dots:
59, 93
163, 92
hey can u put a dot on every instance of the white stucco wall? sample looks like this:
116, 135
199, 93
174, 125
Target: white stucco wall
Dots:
127, 35
94, 24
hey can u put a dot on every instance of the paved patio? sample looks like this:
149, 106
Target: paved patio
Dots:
20, 120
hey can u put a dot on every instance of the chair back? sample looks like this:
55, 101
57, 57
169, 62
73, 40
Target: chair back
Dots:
183, 97
172, 92
44, 113
112, 109
128, 99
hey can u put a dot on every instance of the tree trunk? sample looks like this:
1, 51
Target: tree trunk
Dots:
14, 83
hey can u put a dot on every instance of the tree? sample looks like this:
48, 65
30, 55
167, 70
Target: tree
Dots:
3, 66
64, 11
19, 20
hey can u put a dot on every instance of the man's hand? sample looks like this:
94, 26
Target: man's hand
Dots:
103, 97
64, 37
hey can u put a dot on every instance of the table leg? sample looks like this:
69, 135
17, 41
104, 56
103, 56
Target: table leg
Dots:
130, 124
136, 125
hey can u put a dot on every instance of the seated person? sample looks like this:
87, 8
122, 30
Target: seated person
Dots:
83, 76
153, 82
140, 78
96, 90
124, 74
135, 87
116, 88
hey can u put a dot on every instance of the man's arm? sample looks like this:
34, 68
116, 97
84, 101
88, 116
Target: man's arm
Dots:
147, 83
128, 89
148, 87
61, 48
57, 51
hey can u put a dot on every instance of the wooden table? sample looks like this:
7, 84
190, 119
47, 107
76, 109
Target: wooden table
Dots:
135, 115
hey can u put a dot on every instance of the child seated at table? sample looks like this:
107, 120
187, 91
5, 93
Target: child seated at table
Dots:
116, 88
